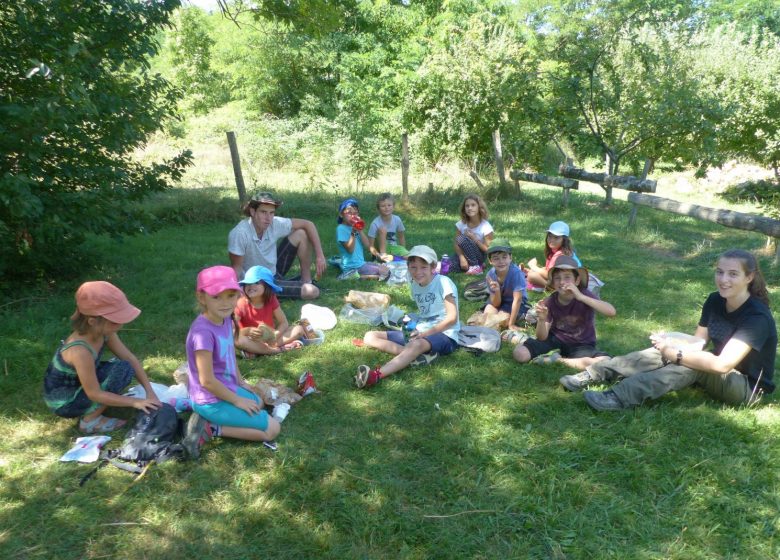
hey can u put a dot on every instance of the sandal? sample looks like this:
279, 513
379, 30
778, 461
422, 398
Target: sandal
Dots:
294, 345
100, 425
513, 337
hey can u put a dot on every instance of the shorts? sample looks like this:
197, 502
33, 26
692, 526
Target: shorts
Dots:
539, 347
223, 413
507, 307
440, 343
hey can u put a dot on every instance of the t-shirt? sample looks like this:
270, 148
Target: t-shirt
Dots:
394, 226
753, 324
483, 229
217, 339
430, 304
353, 260
243, 241
573, 323
247, 315
513, 282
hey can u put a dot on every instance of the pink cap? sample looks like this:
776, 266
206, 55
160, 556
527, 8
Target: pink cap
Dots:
216, 279
103, 299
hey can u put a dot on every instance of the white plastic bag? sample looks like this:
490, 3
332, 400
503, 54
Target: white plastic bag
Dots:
86, 450
399, 273
319, 317
365, 316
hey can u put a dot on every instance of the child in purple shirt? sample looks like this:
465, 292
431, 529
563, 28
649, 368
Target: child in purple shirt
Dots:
223, 403
566, 324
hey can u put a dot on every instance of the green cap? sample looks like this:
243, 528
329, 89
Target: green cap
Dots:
499, 245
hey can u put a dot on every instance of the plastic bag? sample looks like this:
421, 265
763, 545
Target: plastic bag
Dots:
497, 321
393, 317
363, 300
366, 316
399, 273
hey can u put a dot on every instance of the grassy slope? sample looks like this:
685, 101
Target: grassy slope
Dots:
468, 458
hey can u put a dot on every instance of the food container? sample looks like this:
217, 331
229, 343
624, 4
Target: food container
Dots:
682, 341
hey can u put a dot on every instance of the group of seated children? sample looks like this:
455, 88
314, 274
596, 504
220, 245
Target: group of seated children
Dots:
246, 317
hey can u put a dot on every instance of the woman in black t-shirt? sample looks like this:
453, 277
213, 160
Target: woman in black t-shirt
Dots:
738, 368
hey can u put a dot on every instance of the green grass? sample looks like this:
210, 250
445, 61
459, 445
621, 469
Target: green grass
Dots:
468, 458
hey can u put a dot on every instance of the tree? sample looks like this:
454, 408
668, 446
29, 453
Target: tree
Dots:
76, 99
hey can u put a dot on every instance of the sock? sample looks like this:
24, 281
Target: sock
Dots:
216, 431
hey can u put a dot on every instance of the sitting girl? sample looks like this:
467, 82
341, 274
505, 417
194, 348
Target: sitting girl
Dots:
223, 403
556, 242
473, 234
261, 323
349, 230
77, 383
737, 370
388, 230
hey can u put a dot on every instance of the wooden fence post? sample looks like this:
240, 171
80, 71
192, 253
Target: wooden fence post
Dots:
498, 156
405, 167
608, 162
231, 138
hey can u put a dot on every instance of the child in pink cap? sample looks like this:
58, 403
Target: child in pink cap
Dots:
223, 403
77, 382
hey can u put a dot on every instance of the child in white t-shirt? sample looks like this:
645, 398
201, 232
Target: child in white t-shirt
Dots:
473, 234
387, 230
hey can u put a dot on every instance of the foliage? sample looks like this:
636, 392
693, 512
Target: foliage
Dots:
76, 99
765, 193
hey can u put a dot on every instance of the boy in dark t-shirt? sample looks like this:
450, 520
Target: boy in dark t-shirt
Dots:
566, 320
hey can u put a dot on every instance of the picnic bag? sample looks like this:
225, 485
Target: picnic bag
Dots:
479, 339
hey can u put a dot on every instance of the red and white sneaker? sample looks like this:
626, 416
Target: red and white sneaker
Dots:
306, 385
366, 377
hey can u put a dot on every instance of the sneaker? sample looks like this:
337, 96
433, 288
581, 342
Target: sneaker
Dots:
366, 377
424, 359
306, 385
475, 269
606, 400
578, 381
548, 358
349, 275
197, 433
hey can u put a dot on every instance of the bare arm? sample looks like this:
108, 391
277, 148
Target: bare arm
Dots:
450, 318
314, 237
237, 263
203, 359
401, 237
517, 301
542, 326
601, 306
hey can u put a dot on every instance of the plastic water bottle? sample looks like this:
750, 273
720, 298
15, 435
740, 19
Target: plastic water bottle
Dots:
445, 264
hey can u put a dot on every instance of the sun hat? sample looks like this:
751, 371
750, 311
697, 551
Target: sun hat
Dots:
217, 279
424, 252
565, 262
259, 273
265, 197
499, 245
559, 228
320, 318
103, 299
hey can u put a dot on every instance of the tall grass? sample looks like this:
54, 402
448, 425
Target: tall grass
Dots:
467, 458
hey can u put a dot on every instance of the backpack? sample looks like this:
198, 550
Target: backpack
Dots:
479, 339
476, 291
152, 439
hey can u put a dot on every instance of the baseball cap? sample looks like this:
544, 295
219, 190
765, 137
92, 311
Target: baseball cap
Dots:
424, 252
217, 279
103, 299
260, 274
265, 197
565, 262
559, 228
499, 245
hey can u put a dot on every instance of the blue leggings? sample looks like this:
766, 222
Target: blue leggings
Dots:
223, 413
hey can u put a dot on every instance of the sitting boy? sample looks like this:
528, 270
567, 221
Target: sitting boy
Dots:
436, 333
506, 283
566, 325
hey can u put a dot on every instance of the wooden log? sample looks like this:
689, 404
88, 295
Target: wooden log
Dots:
545, 179
499, 158
405, 167
728, 218
231, 138
625, 182
473, 175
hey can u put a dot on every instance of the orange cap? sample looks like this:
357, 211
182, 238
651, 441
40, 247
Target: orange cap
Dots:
103, 299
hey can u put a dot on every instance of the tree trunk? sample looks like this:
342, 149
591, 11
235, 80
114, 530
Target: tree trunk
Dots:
626, 182
473, 175
499, 158
405, 168
231, 138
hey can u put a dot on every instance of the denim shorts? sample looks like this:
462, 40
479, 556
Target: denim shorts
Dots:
440, 342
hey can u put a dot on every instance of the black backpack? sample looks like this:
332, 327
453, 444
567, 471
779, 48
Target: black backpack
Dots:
153, 438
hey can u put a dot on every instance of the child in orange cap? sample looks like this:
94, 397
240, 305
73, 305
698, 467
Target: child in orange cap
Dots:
77, 382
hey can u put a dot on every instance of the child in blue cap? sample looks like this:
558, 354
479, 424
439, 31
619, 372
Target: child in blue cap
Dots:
352, 239
262, 325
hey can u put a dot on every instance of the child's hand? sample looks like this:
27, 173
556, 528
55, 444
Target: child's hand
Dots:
571, 289
541, 311
147, 405
249, 406
493, 285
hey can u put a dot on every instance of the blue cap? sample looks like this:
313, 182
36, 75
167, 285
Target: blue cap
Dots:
346, 204
559, 228
260, 273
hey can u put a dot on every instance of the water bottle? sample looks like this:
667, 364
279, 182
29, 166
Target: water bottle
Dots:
445, 264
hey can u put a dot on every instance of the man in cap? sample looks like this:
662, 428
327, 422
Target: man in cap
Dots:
254, 242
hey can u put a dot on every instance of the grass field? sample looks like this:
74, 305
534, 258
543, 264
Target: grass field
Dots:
467, 458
